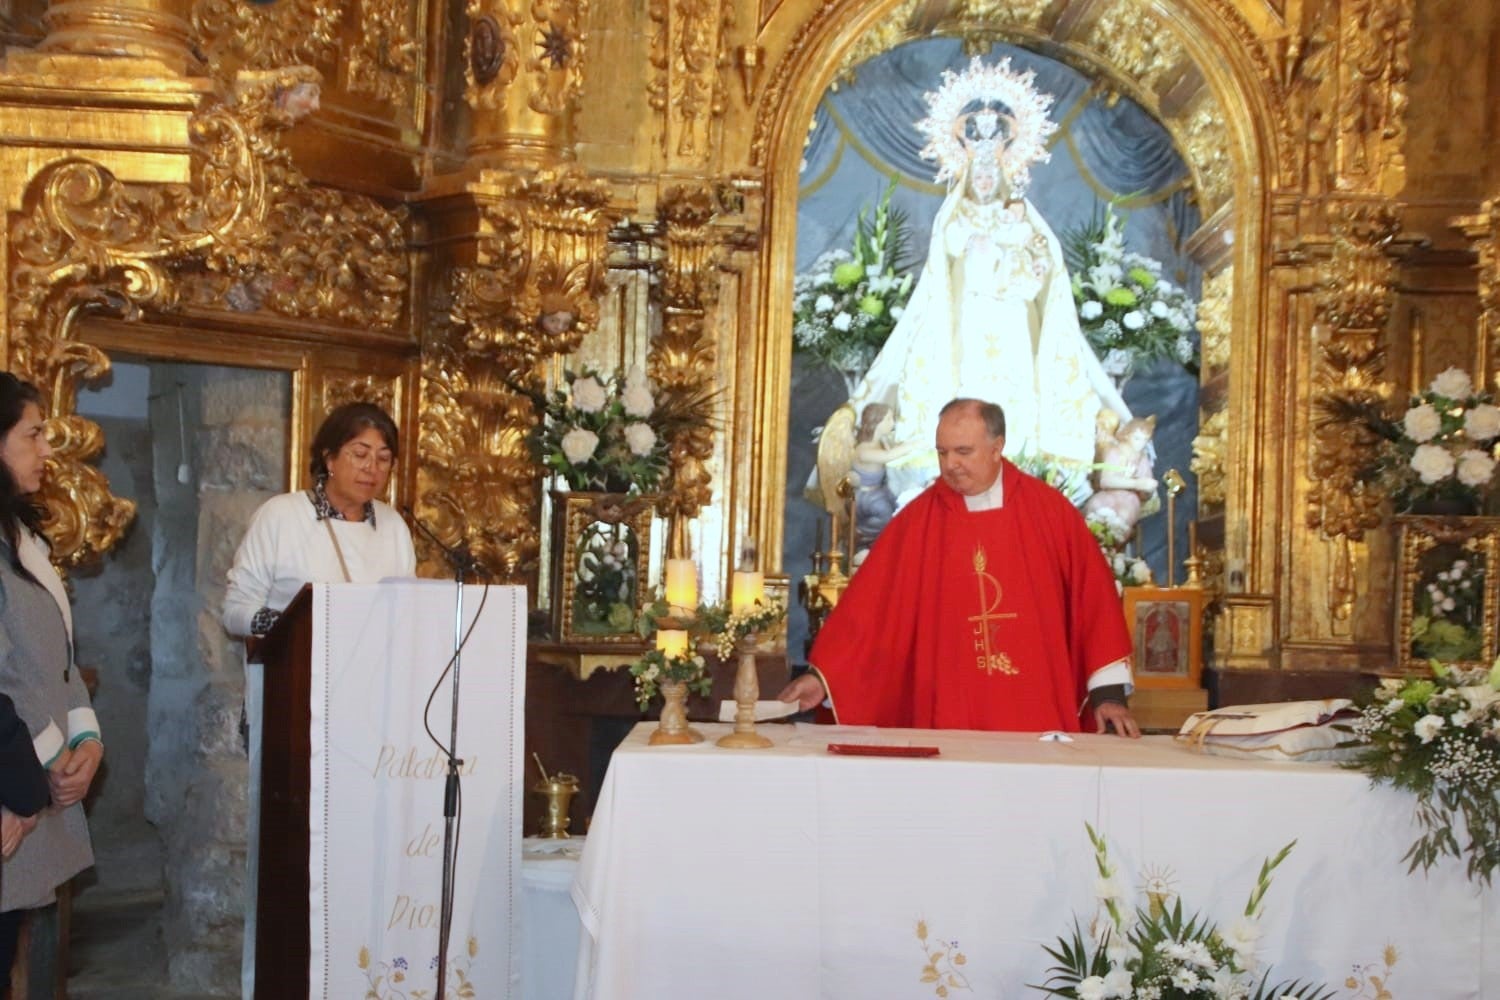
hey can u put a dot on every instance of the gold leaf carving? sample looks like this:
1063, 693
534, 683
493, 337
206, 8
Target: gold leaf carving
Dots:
682, 360
893, 29
1205, 143
1214, 317
238, 35
553, 36
1483, 231
1209, 450
492, 53
689, 62
533, 294
1136, 42
1374, 70
383, 61
84, 242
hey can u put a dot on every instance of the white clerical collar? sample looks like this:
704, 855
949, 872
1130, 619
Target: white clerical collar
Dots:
991, 499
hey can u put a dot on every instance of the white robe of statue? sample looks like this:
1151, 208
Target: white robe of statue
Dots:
992, 317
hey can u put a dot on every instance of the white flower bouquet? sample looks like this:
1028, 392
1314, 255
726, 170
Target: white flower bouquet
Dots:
1449, 619
847, 304
605, 433
1438, 737
1442, 450
1156, 953
1131, 314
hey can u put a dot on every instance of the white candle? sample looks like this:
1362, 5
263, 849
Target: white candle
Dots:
682, 586
673, 642
749, 589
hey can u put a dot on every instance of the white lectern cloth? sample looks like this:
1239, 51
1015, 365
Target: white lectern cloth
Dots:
377, 788
792, 872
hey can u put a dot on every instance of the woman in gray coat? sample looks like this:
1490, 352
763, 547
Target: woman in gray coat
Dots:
36, 671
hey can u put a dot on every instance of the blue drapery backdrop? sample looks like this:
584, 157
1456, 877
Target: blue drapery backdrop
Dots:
863, 136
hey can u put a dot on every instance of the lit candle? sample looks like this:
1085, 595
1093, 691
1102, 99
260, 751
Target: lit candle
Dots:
682, 586
749, 590
673, 642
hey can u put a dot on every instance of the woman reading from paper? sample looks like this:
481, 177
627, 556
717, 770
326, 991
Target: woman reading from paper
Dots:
336, 531
37, 672
992, 315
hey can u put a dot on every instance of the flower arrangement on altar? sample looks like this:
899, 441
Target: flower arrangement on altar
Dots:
847, 304
605, 433
1438, 737
1442, 448
1131, 315
1156, 953
676, 659
663, 666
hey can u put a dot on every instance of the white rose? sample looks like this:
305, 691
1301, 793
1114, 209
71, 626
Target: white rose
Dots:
1422, 423
1427, 727
588, 395
1091, 988
1475, 467
1140, 573
1092, 309
1159, 309
842, 321
1118, 982
578, 445
824, 303
1431, 463
1482, 422
1453, 383
637, 398
1134, 320
640, 438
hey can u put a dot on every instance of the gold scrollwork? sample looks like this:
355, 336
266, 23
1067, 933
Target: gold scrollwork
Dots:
236, 34
1483, 231
85, 241
682, 359
383, 61
1214, 311
534, 294
1354, 302
882, 36
689, 62
1209, 450
557, 39
1136, 42
1206, 145
492, 54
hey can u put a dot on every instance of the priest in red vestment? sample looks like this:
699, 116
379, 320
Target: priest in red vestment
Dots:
984, 604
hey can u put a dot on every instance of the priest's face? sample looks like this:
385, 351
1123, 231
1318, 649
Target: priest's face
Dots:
968, 457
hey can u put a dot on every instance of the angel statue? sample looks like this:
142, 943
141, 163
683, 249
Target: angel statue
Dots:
992, 315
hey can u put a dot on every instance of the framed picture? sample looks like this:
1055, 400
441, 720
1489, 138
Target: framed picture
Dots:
1166, 634
1447, 590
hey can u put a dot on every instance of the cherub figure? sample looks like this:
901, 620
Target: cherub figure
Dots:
874, 503
1126, 488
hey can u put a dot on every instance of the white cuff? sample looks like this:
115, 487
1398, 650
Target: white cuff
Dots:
1117, 672
48, 744
82, 724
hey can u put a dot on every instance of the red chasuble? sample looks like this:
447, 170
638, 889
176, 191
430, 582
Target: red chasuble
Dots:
974, 620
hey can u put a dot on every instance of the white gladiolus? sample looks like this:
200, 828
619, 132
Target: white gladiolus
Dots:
578, 445
1422, 423
1453, 383
588, 395
1432, 463
1482, 422
640, 438
1475, 467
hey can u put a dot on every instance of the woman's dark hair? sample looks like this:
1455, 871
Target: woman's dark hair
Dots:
343, 425
16, 508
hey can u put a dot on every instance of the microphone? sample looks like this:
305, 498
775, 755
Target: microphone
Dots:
463, 561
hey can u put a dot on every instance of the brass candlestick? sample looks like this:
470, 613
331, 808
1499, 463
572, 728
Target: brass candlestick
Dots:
559, 790
746, 694
1175, 485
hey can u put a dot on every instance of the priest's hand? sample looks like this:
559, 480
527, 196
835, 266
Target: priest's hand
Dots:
807, 691
1113, 717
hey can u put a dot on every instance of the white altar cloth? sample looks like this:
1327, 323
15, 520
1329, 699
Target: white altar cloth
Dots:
791, 872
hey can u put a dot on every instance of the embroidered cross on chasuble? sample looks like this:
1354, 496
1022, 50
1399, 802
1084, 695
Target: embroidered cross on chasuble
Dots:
965, 619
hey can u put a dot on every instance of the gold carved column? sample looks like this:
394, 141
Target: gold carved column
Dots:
1482, 230
145, 29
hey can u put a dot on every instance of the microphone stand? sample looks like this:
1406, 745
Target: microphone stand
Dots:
463, 561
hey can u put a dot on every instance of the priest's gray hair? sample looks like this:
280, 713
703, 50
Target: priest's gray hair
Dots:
991, 413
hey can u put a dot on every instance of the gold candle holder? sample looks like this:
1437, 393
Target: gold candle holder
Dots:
746, 694
559, 790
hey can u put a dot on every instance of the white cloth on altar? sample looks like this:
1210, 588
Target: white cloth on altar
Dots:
376, 813
790, 872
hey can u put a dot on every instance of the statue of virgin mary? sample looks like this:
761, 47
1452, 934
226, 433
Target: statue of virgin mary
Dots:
992, 315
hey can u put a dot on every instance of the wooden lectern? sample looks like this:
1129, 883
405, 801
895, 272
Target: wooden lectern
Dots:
282, 929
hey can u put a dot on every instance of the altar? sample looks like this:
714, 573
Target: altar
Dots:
794, 872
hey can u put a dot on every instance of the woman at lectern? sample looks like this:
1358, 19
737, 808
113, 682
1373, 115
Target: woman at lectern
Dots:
335, 531
47, 848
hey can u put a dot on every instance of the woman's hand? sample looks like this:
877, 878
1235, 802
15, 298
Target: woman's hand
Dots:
13, 830
73, 772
